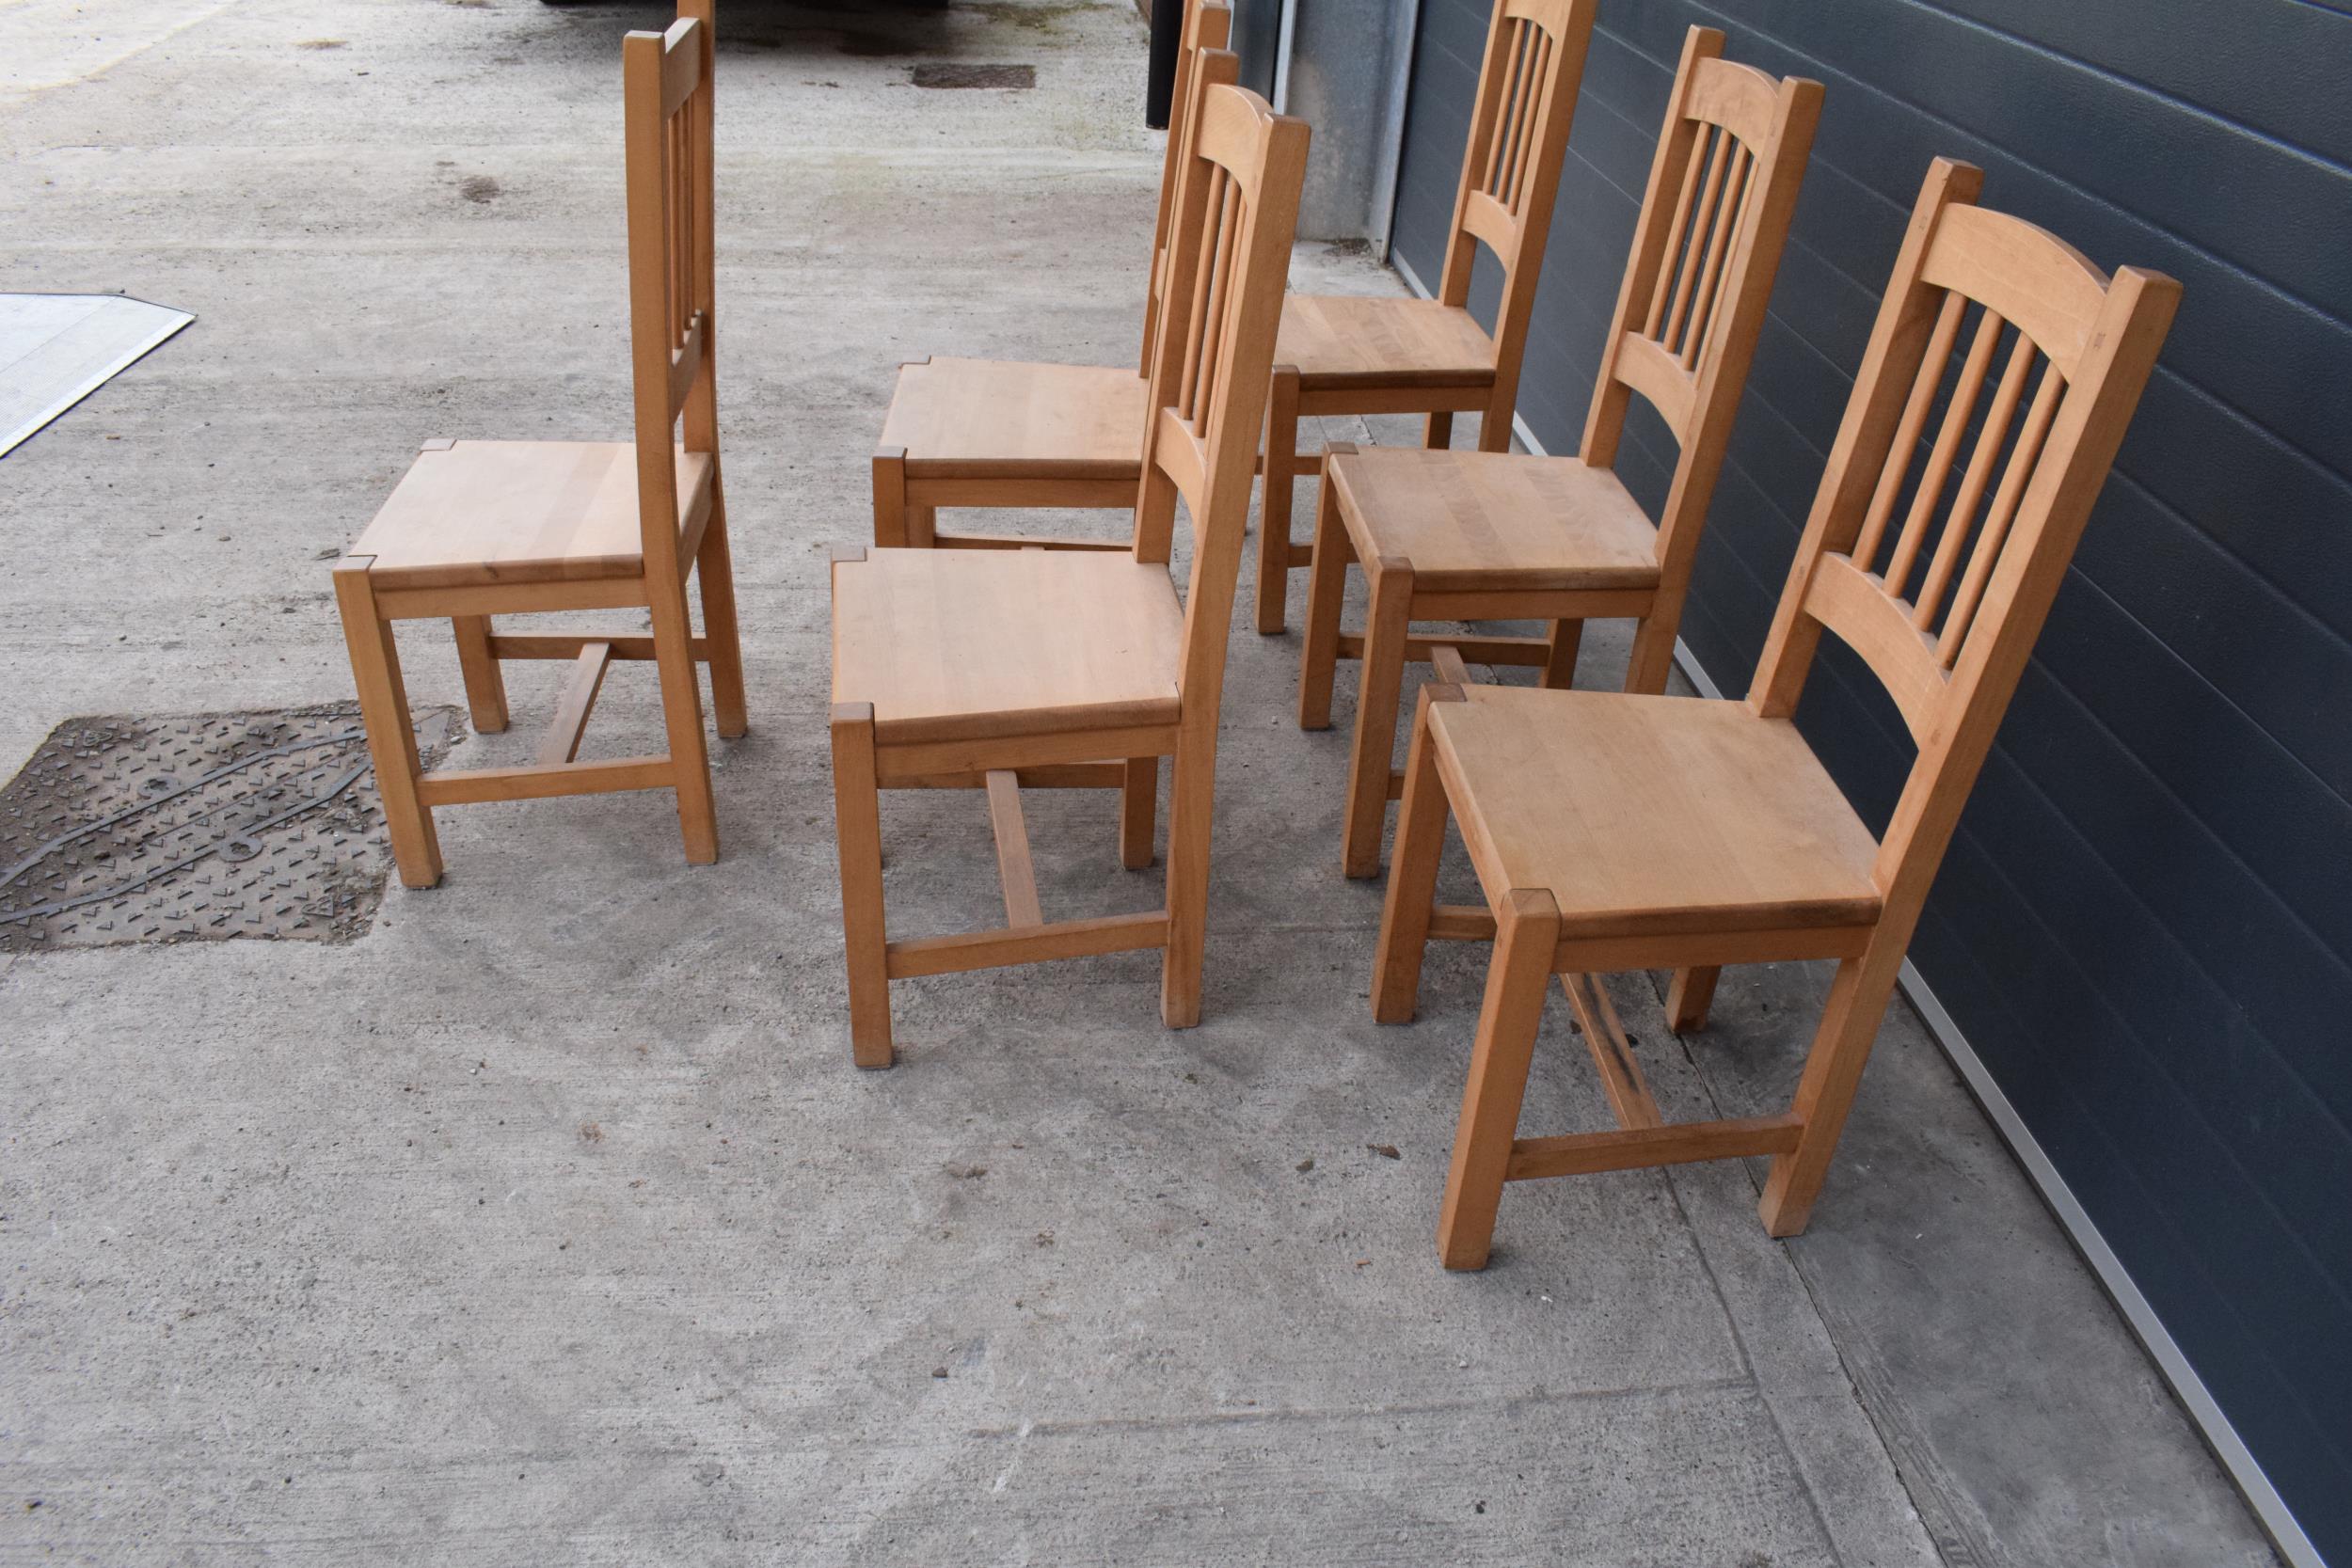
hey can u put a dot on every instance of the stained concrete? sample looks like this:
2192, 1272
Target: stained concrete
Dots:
549, 1222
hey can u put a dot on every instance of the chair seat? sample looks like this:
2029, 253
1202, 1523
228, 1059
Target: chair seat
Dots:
985, 419
1652, 815
1349, 341
1473, 520
953, 644
487, 512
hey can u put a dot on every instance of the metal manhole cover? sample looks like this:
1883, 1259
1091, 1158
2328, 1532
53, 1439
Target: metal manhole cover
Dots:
197, 828
950, 75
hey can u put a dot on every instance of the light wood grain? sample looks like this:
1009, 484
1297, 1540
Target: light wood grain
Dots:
1492, 536
980, 433
1348, 354
1013, 867
950, 644
952, 665
1688, 834
1001, 418
476, 528
1652, 813
1475, 522
511, 512
577, 701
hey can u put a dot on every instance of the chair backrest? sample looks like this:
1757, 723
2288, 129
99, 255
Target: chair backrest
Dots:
1228, 264
1208, 26
1945, 608
1527, 92
1706, 248
666, 82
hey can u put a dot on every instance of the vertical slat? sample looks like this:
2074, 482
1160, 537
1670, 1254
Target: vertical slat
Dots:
1538, 69
2022, 459
1204, 271
1507, 112
1939, 469
1672, 263
686, 218
1718, 245
1522, 110
1220, 301
1915, 420
1715, 160
681, 195
1990, 435
673, 271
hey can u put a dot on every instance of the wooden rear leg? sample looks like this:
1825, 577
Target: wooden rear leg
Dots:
857, 830
1832, 1071
486, 684
1436, 431
392, 740
715, 568
1494, 425
1327, 590
1138, 812
1560, 656
1653, 655
890, 498
1413, 874
1274, 514
1189, 821
1385, 631
682, 718
1688, 999
1527, 932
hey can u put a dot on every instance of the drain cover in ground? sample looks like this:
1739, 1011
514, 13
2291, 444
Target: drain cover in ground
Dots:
957, 75
196, 827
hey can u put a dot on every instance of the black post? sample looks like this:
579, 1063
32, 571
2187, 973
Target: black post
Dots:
1167, 27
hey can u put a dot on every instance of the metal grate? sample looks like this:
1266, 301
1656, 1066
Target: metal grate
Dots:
951, 75
196, 827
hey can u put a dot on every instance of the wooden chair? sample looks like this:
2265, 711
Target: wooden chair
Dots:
1613, 833
1489, 536
478, 529
1001, 668
1000, 433
1344, 354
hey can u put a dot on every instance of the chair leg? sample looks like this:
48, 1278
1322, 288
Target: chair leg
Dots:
1189, 821
1412, 876
1327, 590
1383, 676
682, 716
1138, 812
1436, 431
890, 498
715, 567
1274, 514
1653, 656
486, 685
857, 832
1494, 427
391, 740
1560, 658
1527, 932
922, 526
1688, 999
1832, 1071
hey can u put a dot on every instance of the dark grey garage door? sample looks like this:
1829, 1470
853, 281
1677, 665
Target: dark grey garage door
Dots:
2144, 928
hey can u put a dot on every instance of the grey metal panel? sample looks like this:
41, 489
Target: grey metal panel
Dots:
1257, 38
2145, 925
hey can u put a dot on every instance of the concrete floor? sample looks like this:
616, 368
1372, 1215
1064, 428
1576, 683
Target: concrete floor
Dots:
549, 1221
